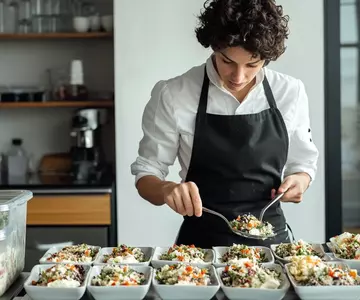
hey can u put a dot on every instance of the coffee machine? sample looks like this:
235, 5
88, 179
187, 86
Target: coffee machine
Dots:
86, 151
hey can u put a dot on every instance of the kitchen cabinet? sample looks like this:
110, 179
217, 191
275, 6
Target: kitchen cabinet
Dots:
65, 219
69, 210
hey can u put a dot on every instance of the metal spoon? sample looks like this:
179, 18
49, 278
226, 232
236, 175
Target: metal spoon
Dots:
238, 232
244, 234
277, 198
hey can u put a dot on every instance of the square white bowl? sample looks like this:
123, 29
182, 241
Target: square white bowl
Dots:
352, 263
120, 292
148, 251
220, 251
157, 263
187, 292
54, 293
317, 247
53, 250
234, 293
325, 292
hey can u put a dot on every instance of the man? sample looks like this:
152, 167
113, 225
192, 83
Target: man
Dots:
241, 131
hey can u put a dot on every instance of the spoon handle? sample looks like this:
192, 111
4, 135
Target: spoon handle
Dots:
216, 214
277, 198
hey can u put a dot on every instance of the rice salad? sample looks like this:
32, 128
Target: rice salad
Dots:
237, 252
81, 253
347, 245
67, 276
114, 275
249, 224
312, 271
184, 253
299, 248
183, 274
248, 274
124, 254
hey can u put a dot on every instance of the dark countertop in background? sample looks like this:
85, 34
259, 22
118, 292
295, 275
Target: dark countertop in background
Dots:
56, 184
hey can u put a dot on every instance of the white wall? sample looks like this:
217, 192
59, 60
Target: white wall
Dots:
153, 40
157, 42
304, 59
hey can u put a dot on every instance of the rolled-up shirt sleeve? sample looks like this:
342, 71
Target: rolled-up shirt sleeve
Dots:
159, 146
303, 153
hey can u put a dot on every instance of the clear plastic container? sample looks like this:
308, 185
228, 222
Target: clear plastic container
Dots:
13, 209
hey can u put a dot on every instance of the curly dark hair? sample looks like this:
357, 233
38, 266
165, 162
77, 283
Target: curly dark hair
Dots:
258, 26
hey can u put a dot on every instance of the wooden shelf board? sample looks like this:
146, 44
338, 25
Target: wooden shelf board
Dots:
103, 103
57, 35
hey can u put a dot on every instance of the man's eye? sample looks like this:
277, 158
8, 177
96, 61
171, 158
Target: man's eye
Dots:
252, 66
226, 61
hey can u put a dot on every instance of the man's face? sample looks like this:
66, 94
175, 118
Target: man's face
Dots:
237, 67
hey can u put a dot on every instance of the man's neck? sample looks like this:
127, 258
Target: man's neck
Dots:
241, 95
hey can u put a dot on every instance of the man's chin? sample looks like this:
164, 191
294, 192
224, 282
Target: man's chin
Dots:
234, 88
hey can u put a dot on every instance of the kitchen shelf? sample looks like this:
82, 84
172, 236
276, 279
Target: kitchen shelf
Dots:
56, 35
80, 104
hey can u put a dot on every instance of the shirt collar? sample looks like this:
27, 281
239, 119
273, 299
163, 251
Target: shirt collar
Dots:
215, 79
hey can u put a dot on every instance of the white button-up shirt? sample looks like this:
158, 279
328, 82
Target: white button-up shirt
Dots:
169, 119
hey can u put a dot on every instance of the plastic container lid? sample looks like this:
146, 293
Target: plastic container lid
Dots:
9, 198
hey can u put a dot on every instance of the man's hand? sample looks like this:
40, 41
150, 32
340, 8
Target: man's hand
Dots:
183, 198
294, 186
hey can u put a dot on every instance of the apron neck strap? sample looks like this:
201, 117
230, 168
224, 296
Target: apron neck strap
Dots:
269, 95
205, 90
204, 94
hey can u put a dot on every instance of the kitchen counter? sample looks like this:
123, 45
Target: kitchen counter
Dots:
63, 210
16, 292
59, 184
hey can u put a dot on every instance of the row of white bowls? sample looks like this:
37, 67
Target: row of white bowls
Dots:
212, 256
185, 292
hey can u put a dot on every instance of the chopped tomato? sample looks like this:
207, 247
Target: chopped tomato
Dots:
248, 264
189, 268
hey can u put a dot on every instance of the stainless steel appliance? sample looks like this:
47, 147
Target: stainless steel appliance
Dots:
86, 151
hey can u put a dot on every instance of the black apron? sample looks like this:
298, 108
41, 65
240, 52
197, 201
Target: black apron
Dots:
236, 161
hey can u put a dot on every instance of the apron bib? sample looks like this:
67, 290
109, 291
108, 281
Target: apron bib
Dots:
236, 161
